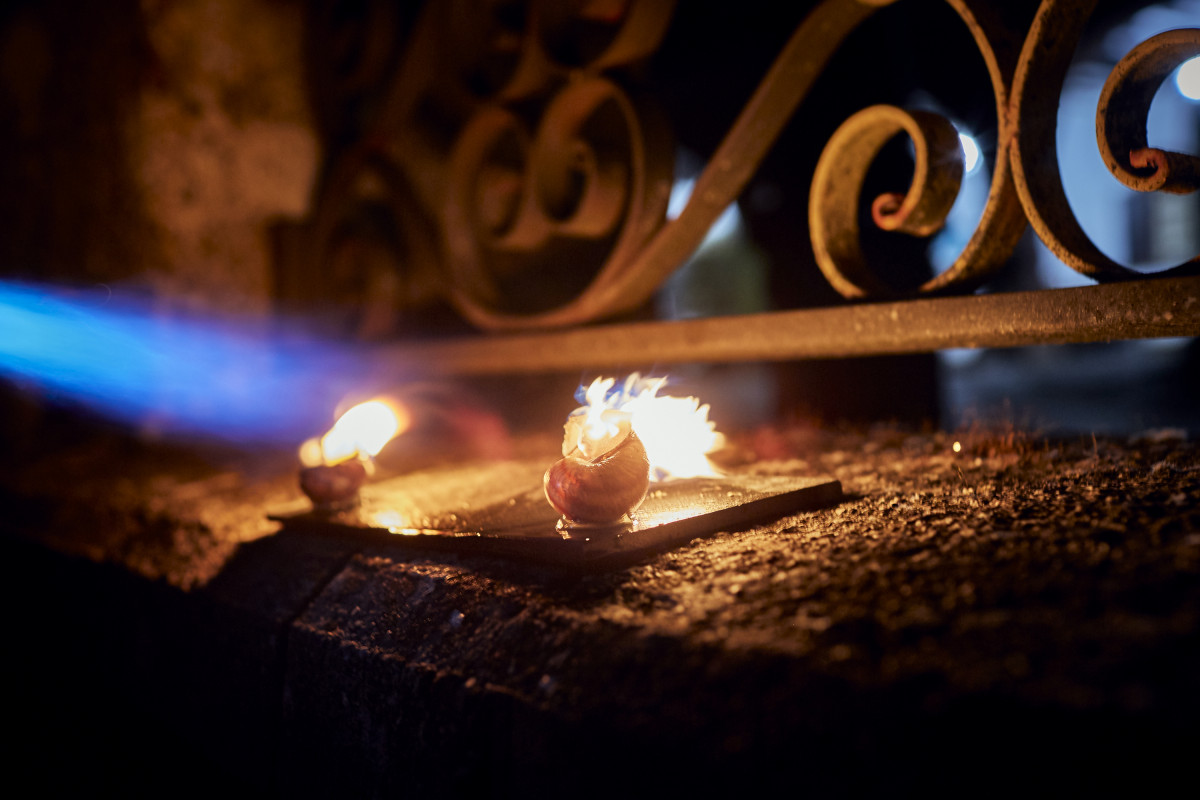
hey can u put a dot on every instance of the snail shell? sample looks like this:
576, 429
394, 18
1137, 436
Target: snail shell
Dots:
602, 489
335, 486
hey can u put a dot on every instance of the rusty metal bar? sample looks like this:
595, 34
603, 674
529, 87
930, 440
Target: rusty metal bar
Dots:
1147, 309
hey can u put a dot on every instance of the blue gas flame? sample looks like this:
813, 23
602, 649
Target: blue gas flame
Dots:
243, 380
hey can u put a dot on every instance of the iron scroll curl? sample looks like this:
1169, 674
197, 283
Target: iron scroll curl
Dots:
1026, 183
543, 167
629, 278
1120, 127
922, 209
588, 186
556, 181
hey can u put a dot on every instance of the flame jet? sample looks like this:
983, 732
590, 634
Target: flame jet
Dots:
243, 380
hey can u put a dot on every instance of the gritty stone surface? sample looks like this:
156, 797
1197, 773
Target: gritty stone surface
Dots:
980, 598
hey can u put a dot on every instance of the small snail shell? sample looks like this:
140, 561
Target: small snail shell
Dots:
603, 489
336, 486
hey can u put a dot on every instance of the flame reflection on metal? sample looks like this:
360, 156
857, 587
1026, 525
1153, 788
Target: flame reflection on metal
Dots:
524, 527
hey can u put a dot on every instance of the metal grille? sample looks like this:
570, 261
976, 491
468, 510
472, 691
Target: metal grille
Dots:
506, 161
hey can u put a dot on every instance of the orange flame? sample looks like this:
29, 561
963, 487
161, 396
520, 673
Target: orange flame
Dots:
361, 432
676, 431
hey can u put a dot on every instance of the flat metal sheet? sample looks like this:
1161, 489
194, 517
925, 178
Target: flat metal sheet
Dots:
525, 526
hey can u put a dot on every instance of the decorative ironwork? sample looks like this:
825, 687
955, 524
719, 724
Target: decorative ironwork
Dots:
507, 147
1119, 127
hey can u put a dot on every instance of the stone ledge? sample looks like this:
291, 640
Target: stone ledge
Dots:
972, 618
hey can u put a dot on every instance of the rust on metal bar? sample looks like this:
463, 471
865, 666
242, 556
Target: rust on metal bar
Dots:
1153, 308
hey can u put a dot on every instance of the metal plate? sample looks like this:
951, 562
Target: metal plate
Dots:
525, 527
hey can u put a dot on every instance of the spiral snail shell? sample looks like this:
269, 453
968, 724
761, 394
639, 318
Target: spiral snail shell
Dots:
601, 489
336, 486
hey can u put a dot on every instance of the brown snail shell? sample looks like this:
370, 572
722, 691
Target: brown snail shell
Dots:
331, 487
603, 489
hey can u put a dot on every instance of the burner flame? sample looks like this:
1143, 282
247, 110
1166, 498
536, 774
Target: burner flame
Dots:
676, 431
248, 380
361, 432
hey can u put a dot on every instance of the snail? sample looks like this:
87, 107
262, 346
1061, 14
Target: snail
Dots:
334, 487
604, 472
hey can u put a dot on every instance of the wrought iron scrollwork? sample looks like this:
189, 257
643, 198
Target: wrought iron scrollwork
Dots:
1124, 106
580, 194
1121, 130
506, 129
923, 209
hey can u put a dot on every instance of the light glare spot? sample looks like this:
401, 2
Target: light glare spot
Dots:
957, 447
1187, 79
970, 153
681, 192
311, 454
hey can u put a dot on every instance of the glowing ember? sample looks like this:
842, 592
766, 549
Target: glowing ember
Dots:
676, 431
360, 432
